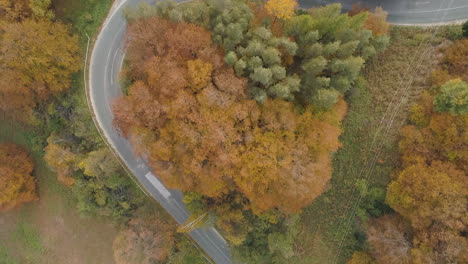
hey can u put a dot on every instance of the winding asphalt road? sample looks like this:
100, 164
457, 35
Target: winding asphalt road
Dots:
105, 65
408, 11
106, 62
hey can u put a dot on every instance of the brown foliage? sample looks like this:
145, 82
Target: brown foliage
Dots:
144, 241
357, 8
14, 10
17, 185
214, 140
390, 240
20, 101
440, 77
447, 246
456, 59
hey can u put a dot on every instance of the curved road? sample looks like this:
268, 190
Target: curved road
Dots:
105, 65
104, 87
408, 11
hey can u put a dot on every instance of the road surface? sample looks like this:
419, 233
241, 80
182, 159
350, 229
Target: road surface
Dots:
408, 11
104, 87
106, 62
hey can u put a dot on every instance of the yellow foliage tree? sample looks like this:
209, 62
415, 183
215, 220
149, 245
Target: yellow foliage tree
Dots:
199, 73
61, 160
233, 223
14, 10
17, 185
427, 194
282, 9
39, 57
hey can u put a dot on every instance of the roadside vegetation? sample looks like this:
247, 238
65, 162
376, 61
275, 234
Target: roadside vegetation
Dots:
193, 152
304, 136
44, 108
247, 109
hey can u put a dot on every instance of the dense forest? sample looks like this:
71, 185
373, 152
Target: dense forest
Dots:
261, 113
41, 90
239, 105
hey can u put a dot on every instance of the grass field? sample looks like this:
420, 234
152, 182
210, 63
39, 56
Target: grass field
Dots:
51, 230
331, 230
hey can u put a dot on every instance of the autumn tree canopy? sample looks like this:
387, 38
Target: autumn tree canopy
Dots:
37, 60
14, 10
19, 10
455, 59
145, 241
238, 104
282, 9
189, 115
376, 21
390, 239
430, 190
453, 98
61, 160
17, 185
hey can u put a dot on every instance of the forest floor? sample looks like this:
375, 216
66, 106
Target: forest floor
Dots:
331, 231
51, 230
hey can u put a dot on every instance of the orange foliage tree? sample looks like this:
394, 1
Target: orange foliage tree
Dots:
17, 185
431, 189
432, 186
38, 58
427, 194
144, 241
376, 21
213, 139
456, 58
